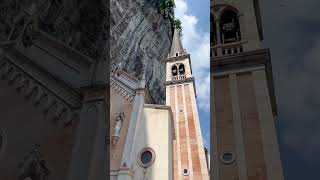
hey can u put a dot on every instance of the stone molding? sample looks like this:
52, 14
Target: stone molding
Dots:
41, 97
124, 92
128, 86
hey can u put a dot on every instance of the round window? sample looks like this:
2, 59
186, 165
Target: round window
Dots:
185, 172
227, 158
146, 157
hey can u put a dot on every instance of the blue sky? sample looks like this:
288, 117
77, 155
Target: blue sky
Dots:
195, 18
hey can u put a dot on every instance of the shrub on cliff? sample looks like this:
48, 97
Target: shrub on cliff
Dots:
167, 9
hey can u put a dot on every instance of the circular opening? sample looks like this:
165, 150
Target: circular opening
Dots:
146, 157
185, 172
227, 158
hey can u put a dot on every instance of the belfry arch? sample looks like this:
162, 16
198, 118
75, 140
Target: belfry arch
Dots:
229, 25
225, 25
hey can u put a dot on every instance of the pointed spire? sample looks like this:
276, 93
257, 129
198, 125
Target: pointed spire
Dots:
176, 46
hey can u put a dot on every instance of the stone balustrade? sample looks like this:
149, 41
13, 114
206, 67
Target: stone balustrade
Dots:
227, 49
179, 77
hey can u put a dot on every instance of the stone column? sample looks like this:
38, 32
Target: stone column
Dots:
218, 31
219, 50
126, 173
89, 156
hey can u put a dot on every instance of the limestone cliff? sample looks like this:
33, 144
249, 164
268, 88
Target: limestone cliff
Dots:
140, 36
141, 39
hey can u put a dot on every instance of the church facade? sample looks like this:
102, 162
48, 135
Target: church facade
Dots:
152, 141
243, 101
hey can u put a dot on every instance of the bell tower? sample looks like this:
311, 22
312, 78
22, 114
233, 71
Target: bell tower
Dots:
244, 109
188, 150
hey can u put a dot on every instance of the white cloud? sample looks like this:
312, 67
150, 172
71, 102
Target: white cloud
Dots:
197, 45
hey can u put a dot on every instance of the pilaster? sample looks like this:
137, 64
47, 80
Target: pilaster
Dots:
89, 156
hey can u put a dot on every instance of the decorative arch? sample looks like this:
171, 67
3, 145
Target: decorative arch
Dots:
227, 7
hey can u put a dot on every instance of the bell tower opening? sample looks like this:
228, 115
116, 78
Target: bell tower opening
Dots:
181, 70
174, 71
229, 27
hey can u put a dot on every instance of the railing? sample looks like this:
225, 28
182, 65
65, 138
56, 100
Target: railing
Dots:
227, 49
179, 77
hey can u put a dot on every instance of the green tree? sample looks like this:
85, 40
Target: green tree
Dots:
167, 9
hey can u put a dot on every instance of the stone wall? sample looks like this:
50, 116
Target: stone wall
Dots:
140, 36
80, 24
141, 39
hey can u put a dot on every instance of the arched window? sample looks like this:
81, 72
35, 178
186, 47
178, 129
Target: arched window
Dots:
181, 69
174, 70
229, 27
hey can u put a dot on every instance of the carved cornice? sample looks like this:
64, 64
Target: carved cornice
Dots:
128, 86
177, 58
241, 60
70, 95
120, 89
54, 107
180, 81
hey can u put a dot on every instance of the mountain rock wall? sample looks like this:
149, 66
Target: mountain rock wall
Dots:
141, 40
140, 36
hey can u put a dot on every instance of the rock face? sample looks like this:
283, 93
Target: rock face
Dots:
81, 24
141, 40
140, 36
